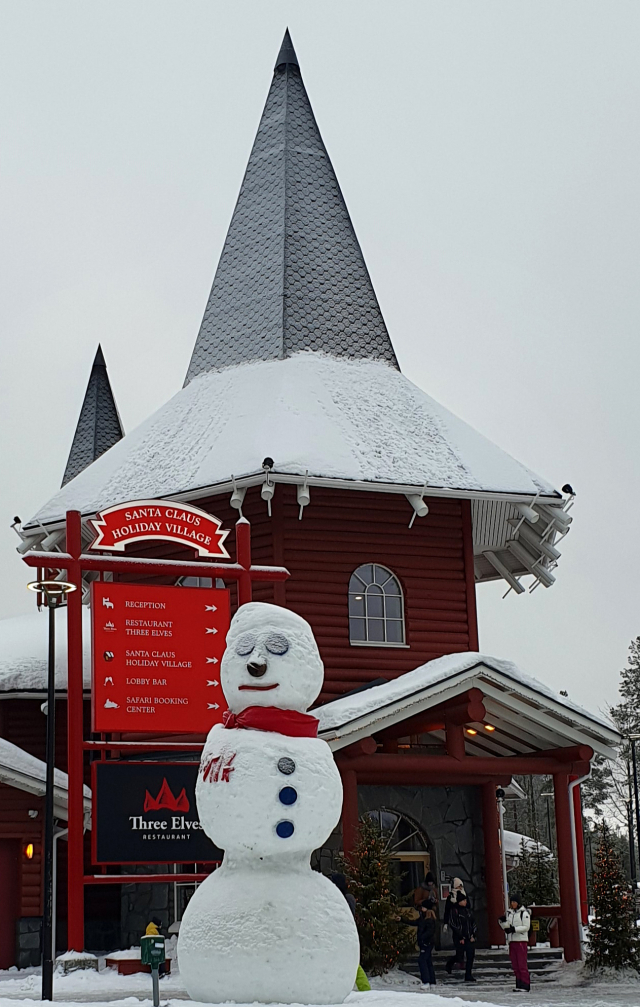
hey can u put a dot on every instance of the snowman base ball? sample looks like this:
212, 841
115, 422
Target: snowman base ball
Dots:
275, 934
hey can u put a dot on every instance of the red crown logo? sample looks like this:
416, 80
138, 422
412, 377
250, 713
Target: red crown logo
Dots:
165, 799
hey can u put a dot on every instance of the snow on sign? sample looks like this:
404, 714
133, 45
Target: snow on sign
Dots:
146, 520
155, 657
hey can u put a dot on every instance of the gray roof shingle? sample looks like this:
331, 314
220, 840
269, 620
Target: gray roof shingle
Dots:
99, 426
291, 274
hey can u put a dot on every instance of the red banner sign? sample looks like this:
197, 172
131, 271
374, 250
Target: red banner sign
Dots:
146, 520
156, 657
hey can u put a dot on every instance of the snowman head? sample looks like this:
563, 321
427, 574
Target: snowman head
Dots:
271, 659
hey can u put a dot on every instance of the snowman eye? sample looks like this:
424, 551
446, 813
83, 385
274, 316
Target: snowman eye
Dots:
245, 644
276, 643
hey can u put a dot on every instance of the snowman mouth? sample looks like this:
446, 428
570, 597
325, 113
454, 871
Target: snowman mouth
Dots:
258, 688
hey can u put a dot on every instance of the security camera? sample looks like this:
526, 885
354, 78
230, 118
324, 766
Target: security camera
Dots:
267, 464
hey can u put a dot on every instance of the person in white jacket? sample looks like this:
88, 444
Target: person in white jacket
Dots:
516, 924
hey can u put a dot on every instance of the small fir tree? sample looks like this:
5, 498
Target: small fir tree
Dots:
613, 936
384, 938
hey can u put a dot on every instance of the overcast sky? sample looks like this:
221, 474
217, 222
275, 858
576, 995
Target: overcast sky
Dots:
488, 154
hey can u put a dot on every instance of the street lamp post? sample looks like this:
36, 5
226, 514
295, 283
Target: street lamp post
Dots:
54, 592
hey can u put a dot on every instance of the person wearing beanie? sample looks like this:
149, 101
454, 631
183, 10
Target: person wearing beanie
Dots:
516, 924
463, 924
452, 899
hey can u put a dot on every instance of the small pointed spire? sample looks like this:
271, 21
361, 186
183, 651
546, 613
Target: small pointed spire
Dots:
287, 54
99, 425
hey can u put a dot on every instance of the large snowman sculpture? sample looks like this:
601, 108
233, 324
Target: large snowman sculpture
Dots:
264, 926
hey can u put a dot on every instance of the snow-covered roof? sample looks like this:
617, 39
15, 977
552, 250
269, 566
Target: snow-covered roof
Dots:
514, 841
24, 772
359, 423
24, 642
528, 715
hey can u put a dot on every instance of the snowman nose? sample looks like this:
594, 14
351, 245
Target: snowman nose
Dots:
256, 669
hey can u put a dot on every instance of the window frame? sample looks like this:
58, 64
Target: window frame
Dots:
403, 645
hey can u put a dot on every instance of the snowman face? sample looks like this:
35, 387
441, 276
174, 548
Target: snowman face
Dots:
271, 660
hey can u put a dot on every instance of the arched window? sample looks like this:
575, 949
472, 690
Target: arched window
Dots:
376, 607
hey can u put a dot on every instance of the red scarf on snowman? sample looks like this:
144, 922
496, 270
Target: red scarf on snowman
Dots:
270, 718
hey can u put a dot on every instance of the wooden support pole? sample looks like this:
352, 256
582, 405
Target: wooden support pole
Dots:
75, 729
570, 932
454, 739
349, 810
243, 556
492, 863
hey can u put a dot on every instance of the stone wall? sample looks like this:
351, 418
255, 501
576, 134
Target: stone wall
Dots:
451, 819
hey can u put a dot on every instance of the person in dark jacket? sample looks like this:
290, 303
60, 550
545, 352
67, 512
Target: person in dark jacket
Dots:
426, 926
339, 880
427, 891
463, 924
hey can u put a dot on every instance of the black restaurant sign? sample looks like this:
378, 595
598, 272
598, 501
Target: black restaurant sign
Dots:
145, 813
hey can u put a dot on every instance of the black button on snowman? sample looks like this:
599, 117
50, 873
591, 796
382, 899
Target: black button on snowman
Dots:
265, 927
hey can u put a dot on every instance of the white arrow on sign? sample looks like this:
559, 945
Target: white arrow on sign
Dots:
215, 682
212, 630
212, 660
211, 608
213, 706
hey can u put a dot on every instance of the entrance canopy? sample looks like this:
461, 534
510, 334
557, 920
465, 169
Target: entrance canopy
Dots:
503, 712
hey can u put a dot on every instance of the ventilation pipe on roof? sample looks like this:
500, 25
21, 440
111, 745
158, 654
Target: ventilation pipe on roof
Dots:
527, 512
504, 572
52, 540
533, 539
237, 496
304, 495
420, 508
29, 543
268, 489
532, 564
557, 515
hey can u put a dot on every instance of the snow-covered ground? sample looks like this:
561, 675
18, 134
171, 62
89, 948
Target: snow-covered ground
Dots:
396, 990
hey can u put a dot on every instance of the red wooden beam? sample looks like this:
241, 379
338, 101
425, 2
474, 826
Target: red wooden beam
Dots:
467, 708
142, 746
421, 766
137, 879
434, 779
75, 841
564, 810
156, 567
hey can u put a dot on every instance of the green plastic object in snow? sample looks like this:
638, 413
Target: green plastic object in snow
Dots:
152, 951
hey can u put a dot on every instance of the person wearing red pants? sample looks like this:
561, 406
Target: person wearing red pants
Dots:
516, 924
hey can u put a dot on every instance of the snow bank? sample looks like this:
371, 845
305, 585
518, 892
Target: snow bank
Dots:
335, 418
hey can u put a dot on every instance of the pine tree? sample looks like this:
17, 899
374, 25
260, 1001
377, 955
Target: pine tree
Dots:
384, 939
613, 936
627, 713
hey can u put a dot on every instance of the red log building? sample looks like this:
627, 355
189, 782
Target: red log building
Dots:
387, 510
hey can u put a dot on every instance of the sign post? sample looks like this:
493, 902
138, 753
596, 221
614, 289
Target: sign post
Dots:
74, 562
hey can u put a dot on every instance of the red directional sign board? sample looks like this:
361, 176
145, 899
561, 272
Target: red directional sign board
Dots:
156, 655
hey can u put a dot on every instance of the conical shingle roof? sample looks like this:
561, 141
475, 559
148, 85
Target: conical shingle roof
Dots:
291, 275
99, 426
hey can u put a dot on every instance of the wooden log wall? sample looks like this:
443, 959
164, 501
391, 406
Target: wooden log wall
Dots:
340, 530
15, 823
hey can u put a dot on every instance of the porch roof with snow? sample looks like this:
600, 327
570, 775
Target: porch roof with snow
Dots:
528, 716
24, 772
293, 361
